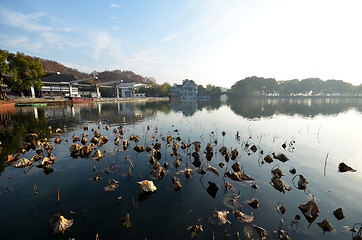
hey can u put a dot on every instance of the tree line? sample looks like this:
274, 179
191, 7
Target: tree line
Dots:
26, 71
259, 86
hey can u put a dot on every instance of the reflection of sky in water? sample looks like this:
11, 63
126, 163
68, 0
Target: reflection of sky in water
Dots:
339, 135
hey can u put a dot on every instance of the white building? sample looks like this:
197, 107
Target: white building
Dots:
187, 90
128, 90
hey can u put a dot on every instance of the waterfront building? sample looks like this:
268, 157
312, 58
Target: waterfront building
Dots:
187, 90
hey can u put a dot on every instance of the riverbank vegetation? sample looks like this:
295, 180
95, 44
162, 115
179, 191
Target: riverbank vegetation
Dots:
259, 86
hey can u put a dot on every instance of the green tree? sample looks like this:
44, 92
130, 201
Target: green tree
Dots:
163, 90
155, 90
253, 86
27, 71
210, 90
4, 66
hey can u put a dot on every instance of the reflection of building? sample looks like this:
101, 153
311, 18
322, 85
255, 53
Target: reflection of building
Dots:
188, 108
187, 90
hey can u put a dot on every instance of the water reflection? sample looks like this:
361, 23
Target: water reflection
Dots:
95, 211
267, 107
14, 124
190, 107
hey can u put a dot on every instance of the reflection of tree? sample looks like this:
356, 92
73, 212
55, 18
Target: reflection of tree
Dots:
14, 132
15, 126
209, 105
155, 107
309, 107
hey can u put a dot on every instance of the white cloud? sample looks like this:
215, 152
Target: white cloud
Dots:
113, 5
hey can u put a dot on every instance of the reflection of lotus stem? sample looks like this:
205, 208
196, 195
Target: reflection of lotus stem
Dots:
58, 192
325, 164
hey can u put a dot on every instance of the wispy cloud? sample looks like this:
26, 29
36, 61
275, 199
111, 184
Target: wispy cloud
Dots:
40, 29
30, 22
114, 5
169, 38
183, 32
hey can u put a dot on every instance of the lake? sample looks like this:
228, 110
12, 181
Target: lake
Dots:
316, 135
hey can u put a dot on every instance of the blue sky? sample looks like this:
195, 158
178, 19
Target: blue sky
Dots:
209, 41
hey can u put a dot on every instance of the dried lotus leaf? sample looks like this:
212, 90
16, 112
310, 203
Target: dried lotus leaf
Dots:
254, 203
74, 148
116, 141
177, 163
75, 138
279, 184
236, 167
35, 158
338, 213
126, 221
103, 140
254, 148
213, 169
97, 134
325, 225
148, 148
212, 189
261, 231
268, 159
239, 176
219, 217
59, 131
176, 183
242, 217
223, 150
234, 154
98, 155
47, 162
280, 156
195, 229
159, 173
111, 187
58, 140
139, 148
302, 182
228, 186
278, 171
125, 144
147, 186
12, 158
61, 223
22, 163
209, 148
310, 210
342, 167
197, 144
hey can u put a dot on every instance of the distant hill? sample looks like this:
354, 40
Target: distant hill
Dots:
105, 76
53, 66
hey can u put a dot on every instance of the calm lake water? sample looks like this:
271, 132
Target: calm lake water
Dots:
319, 135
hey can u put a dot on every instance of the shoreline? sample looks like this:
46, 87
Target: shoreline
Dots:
60, 100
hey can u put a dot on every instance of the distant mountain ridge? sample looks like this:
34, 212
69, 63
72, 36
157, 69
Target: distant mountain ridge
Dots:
105, 76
